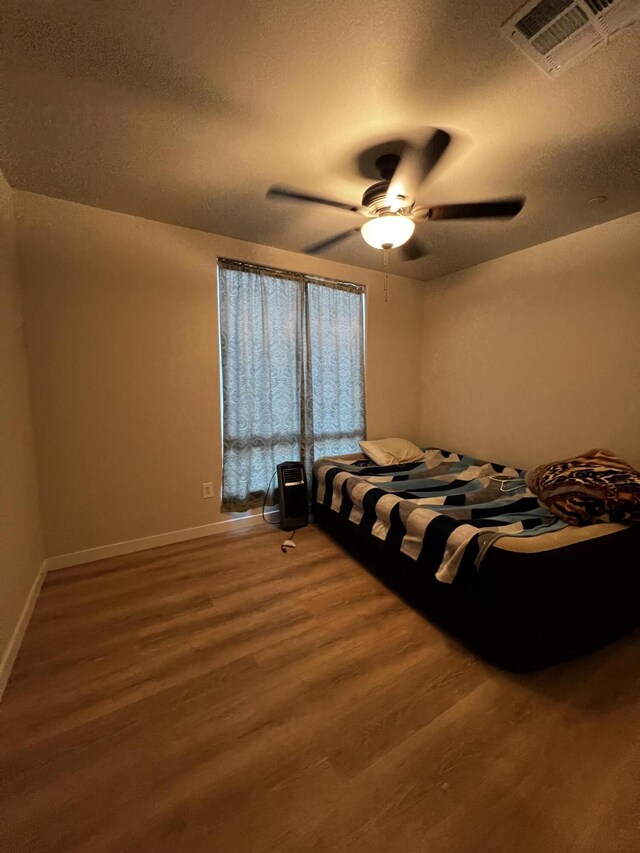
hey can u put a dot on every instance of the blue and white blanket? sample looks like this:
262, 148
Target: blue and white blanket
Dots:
432, 510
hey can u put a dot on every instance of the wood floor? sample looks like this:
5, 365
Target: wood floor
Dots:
221, 696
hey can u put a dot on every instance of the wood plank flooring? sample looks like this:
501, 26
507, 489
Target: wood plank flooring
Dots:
220, 696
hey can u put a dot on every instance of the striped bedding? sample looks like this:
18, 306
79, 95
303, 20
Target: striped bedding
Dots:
434, 509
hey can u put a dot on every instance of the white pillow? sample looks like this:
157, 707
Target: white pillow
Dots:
391, 451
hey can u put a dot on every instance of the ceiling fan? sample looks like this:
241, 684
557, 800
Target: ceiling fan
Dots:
389, 205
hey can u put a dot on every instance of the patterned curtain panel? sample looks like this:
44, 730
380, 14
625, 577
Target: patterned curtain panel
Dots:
292, 375
335, 371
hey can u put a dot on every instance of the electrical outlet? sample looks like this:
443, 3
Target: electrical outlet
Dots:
207, 490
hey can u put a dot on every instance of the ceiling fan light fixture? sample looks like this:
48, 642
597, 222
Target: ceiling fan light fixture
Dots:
387, 231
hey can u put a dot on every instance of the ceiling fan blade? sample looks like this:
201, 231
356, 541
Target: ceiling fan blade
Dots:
284, 192
413, 250
330, 241
505, 209
413, 168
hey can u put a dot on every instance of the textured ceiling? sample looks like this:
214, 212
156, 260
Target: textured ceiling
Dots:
186, 112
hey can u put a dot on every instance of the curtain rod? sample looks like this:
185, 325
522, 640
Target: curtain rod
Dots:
232, 263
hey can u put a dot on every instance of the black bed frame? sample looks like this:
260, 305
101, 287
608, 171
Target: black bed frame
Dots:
520, 611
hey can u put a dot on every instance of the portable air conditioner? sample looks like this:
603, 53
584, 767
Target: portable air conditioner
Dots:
292, 496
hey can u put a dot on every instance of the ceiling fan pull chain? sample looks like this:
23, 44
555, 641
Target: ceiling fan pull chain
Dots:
385, 266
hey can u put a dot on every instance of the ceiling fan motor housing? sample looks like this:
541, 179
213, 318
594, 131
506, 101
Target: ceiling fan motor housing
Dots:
375, 196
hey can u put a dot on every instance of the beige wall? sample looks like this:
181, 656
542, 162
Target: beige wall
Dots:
123, 352
21, 551
525, 358
536, 355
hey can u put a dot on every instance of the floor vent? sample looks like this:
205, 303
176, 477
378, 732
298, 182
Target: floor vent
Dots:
555, 33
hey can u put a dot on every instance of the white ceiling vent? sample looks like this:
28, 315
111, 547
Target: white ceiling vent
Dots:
554, 33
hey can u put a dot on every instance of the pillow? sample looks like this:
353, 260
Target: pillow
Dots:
597, 486
391, 451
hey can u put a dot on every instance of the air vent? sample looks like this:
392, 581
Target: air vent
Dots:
555, 33
292, 476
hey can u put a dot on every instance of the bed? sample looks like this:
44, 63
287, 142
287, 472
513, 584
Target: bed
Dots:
465, 542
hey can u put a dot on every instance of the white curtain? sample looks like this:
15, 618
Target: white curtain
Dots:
336, 370
292, 375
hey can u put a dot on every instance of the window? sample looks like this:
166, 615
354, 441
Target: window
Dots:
292, 374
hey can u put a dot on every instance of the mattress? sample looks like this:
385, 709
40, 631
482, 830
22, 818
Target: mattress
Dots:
434, 509
557, 538
527, 599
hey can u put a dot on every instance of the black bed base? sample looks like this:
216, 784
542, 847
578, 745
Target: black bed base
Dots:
520, 612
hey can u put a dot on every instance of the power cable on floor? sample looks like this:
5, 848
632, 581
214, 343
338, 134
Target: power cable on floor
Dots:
288, 543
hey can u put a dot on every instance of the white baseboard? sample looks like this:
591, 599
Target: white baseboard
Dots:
11, 652
119, 549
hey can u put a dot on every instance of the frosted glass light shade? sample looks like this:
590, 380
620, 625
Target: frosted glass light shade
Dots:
387, 231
